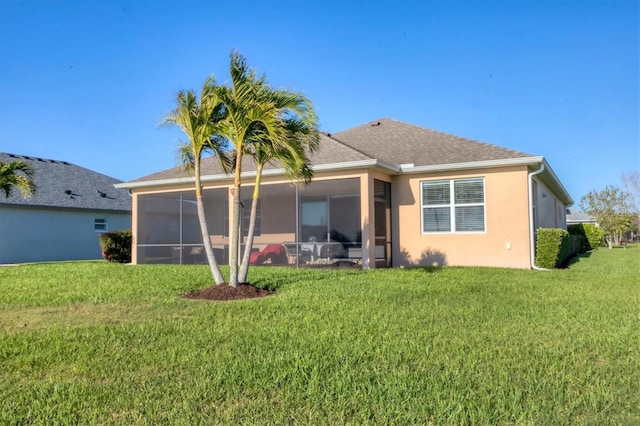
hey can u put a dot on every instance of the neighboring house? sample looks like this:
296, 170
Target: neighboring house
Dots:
574, 217
63, 219
384, 193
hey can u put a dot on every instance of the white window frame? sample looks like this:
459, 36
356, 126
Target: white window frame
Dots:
99, 223
452, 205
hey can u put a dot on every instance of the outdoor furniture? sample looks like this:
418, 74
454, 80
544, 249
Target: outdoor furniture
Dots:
273, 253
330, 251
297, 254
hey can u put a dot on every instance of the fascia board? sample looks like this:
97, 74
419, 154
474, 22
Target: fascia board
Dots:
360, 164
472, 165
349, 165
554, 178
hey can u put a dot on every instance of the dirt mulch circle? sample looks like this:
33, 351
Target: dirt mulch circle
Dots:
225, 292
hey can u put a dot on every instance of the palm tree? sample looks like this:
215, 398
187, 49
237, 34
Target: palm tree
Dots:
250, 117
302, 137
200, 122
18, 174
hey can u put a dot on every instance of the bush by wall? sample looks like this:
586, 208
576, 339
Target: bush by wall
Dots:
116, 246
592, 235
555, 247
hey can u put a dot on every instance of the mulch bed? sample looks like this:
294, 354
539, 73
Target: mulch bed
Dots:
226, 292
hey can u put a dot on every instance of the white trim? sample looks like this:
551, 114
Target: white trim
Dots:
560, 186
348, 165
360, 164
472, 165
532, 214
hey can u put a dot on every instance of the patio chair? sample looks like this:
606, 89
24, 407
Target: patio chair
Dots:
272, 253
297, 254
331, 251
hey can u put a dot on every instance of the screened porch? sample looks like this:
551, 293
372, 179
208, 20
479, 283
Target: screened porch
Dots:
316, 225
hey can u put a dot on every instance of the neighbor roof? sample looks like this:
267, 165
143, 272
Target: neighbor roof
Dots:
65, 185
575, 216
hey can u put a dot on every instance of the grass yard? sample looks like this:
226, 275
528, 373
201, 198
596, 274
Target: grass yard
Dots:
99, 343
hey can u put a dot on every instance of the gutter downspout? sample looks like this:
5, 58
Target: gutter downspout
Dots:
532, 248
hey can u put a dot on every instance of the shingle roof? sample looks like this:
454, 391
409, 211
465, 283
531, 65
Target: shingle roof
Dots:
402, 143
575, 216
330, 151
65, 185
390, 141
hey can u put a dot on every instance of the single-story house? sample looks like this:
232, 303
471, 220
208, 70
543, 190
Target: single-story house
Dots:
385, 193
63, 219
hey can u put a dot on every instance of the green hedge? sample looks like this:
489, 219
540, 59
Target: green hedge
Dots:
592, 235
555, 247
116, 246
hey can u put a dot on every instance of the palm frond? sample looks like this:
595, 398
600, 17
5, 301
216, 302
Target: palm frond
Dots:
185, 157
17, 174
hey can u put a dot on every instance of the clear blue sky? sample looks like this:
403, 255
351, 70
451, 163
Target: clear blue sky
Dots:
89, 81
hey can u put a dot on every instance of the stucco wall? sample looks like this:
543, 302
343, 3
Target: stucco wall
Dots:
36, 235
504, 243
549, 209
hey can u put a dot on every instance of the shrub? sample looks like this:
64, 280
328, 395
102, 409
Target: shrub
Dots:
592, 235
116, 246
554, 247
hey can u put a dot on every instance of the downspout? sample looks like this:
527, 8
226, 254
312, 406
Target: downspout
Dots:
532, 241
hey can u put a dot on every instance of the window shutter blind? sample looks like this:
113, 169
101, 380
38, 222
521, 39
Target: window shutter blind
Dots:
437, 219
469, 191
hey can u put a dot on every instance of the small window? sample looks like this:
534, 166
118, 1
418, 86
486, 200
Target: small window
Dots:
453, 206
100, 224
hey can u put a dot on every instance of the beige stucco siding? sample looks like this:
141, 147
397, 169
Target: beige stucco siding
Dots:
504, 243
550, 210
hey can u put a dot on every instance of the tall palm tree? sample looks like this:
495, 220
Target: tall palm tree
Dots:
250, 115
302, 137
19, 174
199, 120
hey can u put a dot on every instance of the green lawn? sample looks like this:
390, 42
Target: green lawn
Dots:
99, 343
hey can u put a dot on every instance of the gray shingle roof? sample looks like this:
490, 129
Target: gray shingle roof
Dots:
390, 141
576, 216
402, 143
330, 151
65, 185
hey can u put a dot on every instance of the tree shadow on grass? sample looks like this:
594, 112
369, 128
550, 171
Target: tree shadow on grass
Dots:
430, 260
577, 259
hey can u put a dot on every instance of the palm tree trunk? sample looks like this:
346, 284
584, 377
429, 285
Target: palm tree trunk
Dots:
235, 224
244, 266
211, 258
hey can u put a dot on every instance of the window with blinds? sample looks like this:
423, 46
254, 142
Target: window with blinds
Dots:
453, 206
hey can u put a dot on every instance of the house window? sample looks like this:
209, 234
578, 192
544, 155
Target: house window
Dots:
245, 218
100, 224
453, 206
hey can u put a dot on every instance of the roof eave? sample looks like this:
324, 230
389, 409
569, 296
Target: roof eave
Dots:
408, 169
348, 165
552, 178
558, 186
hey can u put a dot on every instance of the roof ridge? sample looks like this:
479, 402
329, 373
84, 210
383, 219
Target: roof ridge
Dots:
349, 146
35, 158
439, 132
